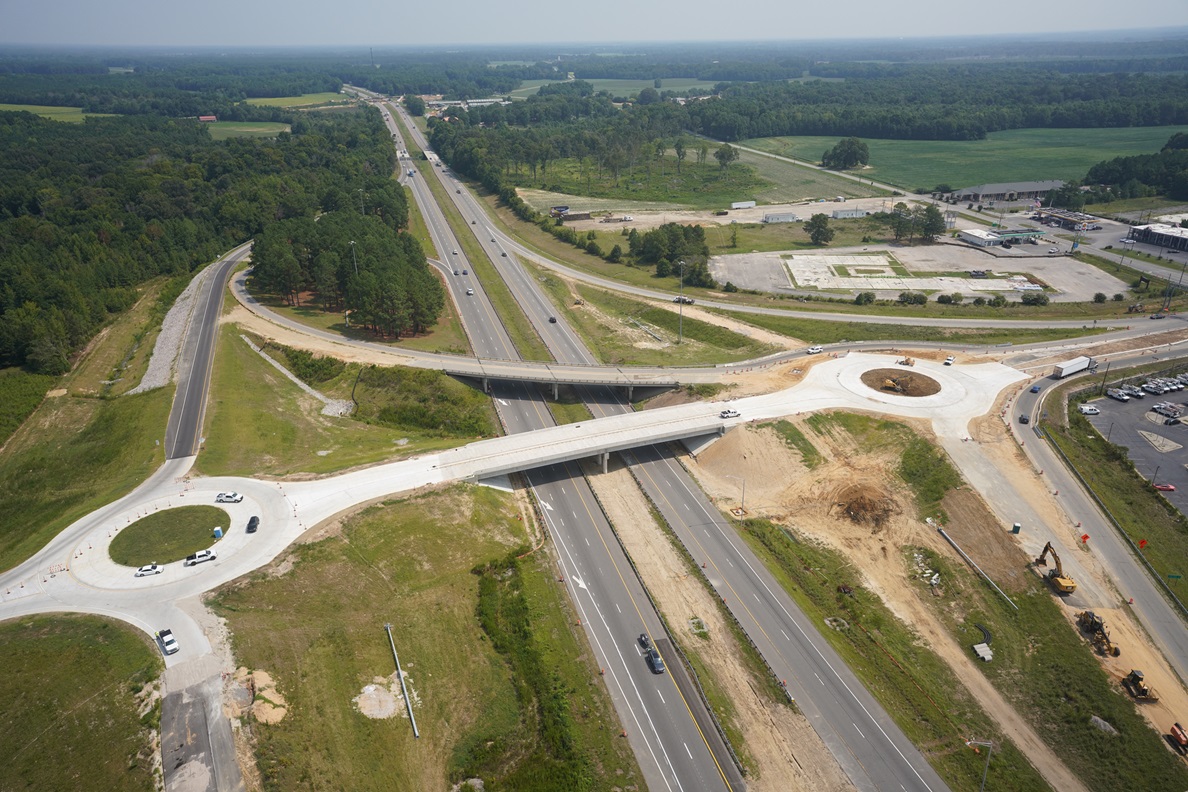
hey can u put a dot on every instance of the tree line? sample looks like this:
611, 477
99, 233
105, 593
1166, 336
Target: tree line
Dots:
89, 212
354, 263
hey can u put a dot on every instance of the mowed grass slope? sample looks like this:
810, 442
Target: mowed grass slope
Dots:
258, 422
222, 130
71, 714
72, 456
318, 629
1012, 155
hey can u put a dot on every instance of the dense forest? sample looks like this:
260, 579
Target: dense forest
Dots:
1128, 177
90, 211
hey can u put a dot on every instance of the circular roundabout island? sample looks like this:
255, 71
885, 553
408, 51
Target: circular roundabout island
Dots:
900, 382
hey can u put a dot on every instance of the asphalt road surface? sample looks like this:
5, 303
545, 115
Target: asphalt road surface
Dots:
870, 747
183, 433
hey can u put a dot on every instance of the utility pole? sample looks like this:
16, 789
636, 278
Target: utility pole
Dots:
362, 210
681, 309
989, 746
353, 258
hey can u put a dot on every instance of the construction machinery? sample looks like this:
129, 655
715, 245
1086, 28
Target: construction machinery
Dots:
907, 361
1137, 687
1056, 577
1091, 623
897, 384
1179, 739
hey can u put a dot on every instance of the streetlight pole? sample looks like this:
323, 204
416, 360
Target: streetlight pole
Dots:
355, 260
681, 309
989, 746
1155, 475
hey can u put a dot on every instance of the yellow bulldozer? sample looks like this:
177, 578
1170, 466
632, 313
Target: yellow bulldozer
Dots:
1091, 623
1137, 686
1056, 577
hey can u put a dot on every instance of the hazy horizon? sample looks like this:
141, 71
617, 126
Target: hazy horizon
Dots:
274, 24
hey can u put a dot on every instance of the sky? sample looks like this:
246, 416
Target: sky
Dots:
273, 23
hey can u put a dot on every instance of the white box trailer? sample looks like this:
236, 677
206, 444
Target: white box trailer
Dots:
1073, 366
743, 205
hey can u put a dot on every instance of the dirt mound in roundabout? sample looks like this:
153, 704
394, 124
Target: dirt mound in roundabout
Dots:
900, 382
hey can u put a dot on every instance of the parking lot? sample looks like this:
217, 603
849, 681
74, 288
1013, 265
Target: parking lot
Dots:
1159, 451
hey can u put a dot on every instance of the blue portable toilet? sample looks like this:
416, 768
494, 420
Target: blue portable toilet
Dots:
218, 533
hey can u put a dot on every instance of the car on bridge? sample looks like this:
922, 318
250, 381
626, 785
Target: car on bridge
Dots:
729, 414
228, 497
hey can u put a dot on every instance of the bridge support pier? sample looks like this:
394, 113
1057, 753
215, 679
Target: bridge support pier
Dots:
604, 458
486, 385
630, 392
556, 391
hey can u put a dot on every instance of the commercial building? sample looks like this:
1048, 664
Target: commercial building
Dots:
1166, 236
992, 237
1068, 219
1007, 191
781, 217
849, 214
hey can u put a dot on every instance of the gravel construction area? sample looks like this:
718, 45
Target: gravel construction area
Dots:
173, 332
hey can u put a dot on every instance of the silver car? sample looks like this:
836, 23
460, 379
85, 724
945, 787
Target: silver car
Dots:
150, 569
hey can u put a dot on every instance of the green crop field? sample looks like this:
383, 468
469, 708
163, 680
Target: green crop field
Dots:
1014, 155
73, 115
221, 130
305, 100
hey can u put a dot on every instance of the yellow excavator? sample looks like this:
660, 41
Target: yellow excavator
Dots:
897, 384
1060, 581
1093, 624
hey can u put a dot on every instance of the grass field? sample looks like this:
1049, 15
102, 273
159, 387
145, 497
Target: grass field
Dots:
788, 182
625, 88
71, 716
305, 100
259, 422
318, 629
72, 456
167, 536
649, 180
20, 393
221, 130
117, 364
1013, 155
71, 115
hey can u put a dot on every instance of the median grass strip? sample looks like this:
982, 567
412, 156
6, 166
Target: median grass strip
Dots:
74, 689
315, 622
523, 335
166, 536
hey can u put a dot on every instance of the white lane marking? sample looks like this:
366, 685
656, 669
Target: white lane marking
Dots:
860, 734
687, 750
784, 633
587, 541
661, 695
545, 504
580, 583
818, 676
